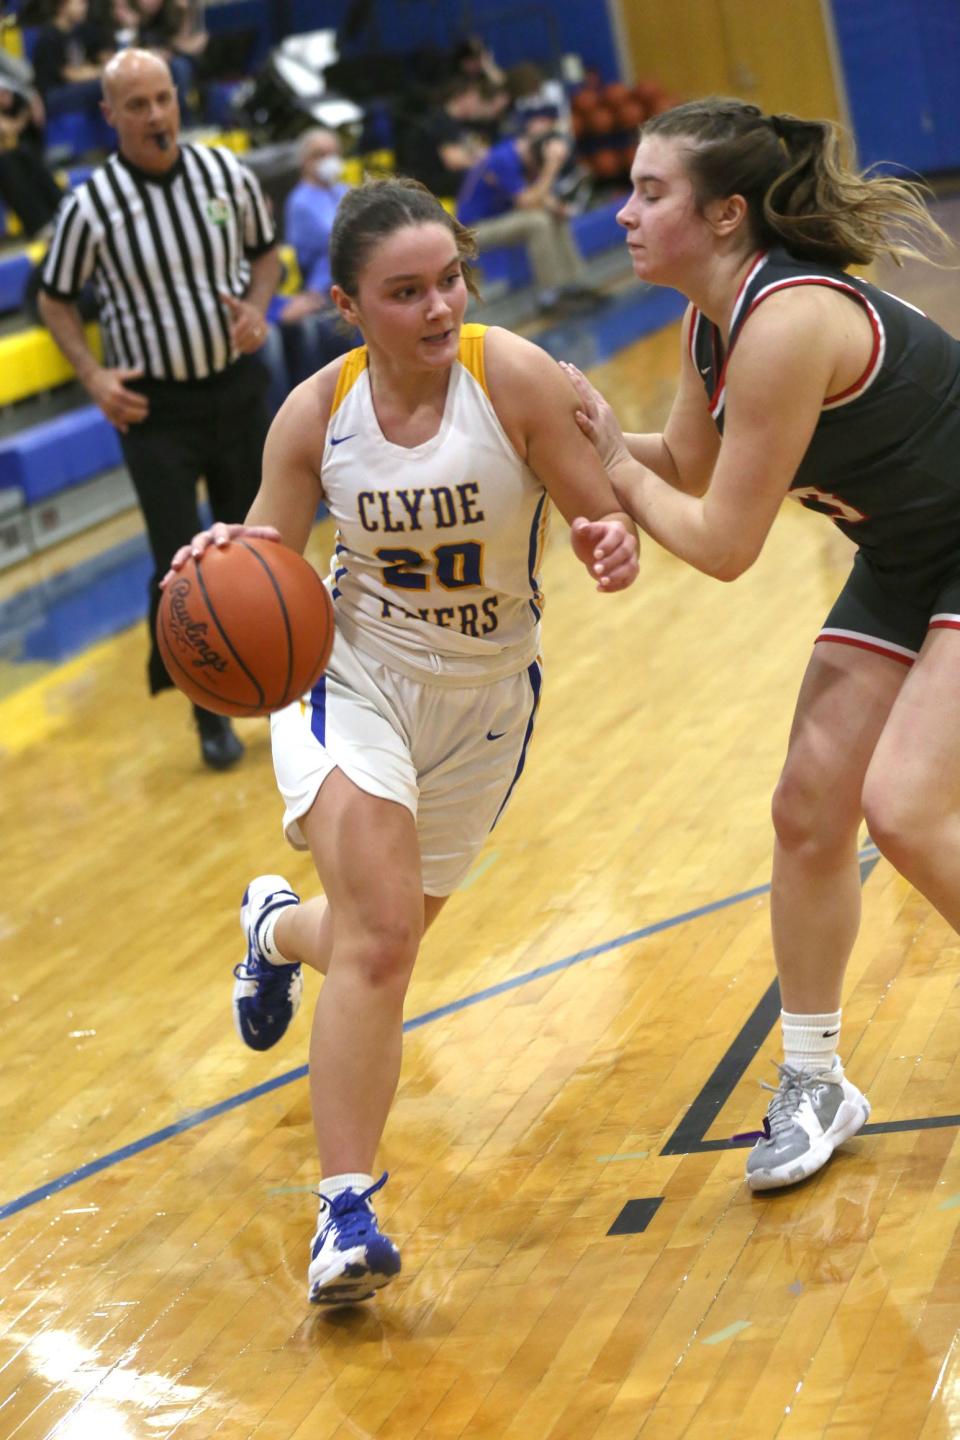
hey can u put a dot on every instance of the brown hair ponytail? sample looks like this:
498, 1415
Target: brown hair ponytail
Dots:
800, 189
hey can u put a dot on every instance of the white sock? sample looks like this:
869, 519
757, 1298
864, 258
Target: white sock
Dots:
332, 1185
266, 940
810, 1041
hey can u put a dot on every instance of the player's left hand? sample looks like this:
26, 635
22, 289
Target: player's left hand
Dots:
608, 550
248, 328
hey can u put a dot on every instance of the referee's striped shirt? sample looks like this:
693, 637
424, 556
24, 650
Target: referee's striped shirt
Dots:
159, 251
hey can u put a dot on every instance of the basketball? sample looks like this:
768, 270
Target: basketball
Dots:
247, 628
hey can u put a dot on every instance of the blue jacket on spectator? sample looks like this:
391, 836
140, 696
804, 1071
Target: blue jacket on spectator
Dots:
308, 220
491, 186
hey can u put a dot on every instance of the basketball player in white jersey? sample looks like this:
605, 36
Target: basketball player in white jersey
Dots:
437, 447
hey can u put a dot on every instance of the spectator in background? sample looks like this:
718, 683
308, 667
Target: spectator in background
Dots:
124, 23
167, 28
26, 185
68, 57
474, 60
531, 90
308, 325
309, 211
539, 103
174, 28
508, 198
118, 22
439, 146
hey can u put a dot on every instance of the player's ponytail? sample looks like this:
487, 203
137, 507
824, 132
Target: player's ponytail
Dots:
801, 191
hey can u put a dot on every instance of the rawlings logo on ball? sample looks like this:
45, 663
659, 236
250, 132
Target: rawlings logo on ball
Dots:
251, 633
192, 633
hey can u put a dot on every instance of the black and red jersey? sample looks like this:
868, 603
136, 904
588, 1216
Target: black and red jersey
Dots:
884, 459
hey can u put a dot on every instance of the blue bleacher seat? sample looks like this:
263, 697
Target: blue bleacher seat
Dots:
218, 103
14, 273
77, 132
52, 456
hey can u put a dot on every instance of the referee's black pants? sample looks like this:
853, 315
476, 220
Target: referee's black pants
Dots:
214, 428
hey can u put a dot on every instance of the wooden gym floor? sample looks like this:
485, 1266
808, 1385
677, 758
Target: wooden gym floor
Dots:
589, 1024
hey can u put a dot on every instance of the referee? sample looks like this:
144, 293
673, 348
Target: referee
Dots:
181, 253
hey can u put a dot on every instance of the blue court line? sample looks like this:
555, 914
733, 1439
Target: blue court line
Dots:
200, 1117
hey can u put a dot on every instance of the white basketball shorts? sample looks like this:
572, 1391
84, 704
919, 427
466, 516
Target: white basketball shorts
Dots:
451, 754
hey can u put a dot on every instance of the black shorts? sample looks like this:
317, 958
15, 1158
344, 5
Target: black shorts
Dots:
875, 613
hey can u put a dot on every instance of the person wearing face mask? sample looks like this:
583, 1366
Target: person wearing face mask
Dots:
308, 217
311, 337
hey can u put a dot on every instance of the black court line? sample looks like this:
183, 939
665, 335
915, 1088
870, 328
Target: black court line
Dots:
635, 1216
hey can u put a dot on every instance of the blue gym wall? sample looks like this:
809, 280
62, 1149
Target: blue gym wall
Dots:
901, 67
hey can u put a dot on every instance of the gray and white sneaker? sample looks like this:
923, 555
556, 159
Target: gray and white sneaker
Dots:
808, 1117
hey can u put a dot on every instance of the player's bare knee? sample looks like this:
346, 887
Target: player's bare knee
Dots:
807, 820
901, 821
795, 813
384, 950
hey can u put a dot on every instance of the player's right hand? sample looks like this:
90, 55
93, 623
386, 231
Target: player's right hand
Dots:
595, 418
218, 535
121, 406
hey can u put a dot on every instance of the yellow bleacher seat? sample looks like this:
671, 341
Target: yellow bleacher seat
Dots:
236, 140
11, 38
380, 162
376, 164
31, 362
292, 280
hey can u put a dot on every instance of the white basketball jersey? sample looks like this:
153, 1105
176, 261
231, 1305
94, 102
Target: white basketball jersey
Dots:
436, 570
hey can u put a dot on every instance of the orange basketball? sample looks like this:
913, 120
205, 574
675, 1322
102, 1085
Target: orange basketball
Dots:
247, 628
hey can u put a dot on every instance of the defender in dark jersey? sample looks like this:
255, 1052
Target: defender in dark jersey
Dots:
798, 378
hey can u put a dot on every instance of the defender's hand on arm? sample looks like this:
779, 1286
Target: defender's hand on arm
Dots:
536, 406
596, 419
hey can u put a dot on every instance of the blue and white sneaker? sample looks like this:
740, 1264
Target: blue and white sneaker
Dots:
265, 997
349, 1258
